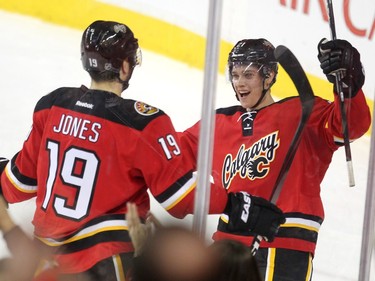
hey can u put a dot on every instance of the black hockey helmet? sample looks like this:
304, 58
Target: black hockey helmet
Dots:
258, 52
106, 44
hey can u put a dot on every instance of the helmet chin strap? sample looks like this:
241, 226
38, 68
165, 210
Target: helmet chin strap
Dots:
264, 91
125, 83
235, 93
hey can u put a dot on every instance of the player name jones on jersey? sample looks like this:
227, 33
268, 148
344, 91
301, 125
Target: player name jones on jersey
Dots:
78, 127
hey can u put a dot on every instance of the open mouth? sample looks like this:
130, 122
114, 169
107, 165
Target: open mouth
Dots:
244, 94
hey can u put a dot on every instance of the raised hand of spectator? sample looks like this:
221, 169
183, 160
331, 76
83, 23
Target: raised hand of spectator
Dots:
139, 232
6, 223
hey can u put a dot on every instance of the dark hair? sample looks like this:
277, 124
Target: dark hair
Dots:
173, 253
234, 261
103, 76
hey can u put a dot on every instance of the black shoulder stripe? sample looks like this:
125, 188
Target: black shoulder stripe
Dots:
127, 114
287, 99
230, 110
105, 105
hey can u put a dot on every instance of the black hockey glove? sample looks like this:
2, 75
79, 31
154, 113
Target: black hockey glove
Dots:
3, 163
339, 57
250, 215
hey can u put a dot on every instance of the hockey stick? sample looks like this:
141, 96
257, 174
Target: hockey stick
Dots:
344, 120
306, 95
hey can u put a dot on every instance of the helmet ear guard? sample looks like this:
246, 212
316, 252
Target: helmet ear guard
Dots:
266, 71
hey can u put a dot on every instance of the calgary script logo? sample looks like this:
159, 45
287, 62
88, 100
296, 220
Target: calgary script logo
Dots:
253, 162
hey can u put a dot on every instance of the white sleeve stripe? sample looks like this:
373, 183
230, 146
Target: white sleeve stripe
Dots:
19, 185
303, 222
180, 194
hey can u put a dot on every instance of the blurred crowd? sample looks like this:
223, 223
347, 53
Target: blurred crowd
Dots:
161, 253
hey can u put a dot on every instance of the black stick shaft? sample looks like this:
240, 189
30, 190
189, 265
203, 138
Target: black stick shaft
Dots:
344, 120
306, 95
331, 19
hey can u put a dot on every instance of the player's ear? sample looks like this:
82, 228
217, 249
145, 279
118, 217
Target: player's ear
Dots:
269, 76
124, 70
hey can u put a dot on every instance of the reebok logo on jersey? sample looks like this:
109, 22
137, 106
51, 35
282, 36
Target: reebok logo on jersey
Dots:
85, 104
252, 162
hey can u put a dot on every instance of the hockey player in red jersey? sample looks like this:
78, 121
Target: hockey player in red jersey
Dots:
90, 151
252, 139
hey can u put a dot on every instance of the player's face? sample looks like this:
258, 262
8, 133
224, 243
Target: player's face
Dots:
248, 84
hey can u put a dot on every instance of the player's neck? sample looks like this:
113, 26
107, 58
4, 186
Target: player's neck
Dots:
115, 88
267, 100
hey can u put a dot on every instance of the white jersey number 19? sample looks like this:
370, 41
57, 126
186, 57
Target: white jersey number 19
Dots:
82, 179
169, 146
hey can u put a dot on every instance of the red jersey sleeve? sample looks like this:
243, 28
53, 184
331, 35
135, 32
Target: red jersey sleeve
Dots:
19, 180
189, 141
327, 119
169, 171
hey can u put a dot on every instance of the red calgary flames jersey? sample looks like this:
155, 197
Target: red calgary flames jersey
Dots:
88, 154
249, 150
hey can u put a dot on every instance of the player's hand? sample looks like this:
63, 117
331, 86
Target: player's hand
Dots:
3, 163
139, 232
6, 223
339, 57
251, 215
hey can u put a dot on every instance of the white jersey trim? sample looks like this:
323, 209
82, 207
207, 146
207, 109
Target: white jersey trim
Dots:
17, 184
304, 223
88, 231
180, 194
